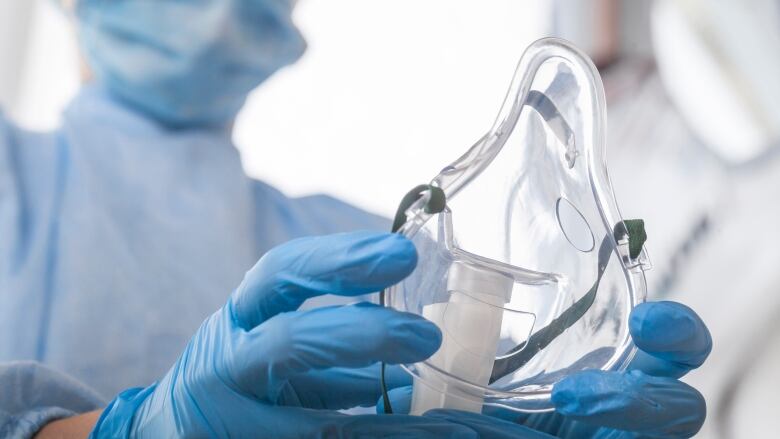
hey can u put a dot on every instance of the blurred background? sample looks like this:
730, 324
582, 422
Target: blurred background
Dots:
693, 89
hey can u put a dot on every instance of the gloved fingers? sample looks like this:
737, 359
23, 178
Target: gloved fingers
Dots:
487, 426
341, 388
396, 426
260, 420
343, 336
671, 337
348, 264
631, 401
508, 415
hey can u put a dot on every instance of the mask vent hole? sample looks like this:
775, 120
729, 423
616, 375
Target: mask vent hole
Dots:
574, 226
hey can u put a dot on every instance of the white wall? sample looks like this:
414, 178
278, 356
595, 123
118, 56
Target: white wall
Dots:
388, 93
14, 32
50, 74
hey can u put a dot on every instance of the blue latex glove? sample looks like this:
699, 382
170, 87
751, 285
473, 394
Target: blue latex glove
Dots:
645, 401
259, 368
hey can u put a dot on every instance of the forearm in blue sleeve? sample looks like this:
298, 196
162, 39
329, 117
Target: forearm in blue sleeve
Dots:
34, 395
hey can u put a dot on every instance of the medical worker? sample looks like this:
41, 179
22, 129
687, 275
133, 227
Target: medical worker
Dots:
127, 227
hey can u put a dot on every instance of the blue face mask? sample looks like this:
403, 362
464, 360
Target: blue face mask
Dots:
187, 62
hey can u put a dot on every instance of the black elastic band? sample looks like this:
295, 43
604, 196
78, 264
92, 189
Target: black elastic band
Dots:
518, 356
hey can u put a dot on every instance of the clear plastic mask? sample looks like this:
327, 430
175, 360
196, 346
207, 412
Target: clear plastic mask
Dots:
527, 270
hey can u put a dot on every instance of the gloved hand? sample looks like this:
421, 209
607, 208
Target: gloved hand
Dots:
645, 401
259, 368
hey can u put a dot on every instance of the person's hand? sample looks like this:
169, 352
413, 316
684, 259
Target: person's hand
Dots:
259, 368
647, 400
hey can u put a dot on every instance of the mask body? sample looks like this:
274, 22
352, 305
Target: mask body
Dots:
187, 63
528, 269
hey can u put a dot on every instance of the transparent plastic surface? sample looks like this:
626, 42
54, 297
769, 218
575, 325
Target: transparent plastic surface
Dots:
525, 248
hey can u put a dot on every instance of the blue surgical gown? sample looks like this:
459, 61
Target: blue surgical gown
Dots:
120, 236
